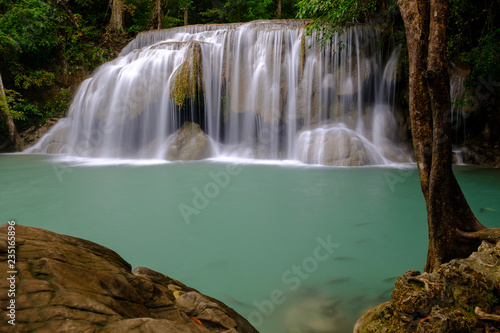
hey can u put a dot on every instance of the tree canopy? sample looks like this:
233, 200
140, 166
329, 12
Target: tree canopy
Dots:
333, 16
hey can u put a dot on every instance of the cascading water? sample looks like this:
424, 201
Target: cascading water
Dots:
257, 90
459, 111
458, 92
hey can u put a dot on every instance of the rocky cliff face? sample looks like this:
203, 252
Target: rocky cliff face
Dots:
67, 284
462, 296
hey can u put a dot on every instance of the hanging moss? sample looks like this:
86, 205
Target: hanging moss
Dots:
188, 78
303, 50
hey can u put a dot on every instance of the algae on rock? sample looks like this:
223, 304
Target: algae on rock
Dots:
188, 77
444, 301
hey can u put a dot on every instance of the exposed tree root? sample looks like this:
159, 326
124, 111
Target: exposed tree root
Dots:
491, 235
486, 316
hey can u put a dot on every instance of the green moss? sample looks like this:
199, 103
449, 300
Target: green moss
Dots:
188, 78
303, 50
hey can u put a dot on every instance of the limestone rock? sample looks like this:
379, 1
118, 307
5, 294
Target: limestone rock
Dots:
67, 284
54, 143
443, 301
487, 155
33, 134
189, 143
335, 146
394, 153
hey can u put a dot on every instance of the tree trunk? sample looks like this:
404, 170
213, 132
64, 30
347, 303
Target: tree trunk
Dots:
70, 13
186, 15
278, 8
156, 20
449, 216
116, 21
159, 11
15, 138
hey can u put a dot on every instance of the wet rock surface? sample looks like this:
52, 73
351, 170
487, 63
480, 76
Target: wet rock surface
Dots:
453, 299
189, 143
336, 146
67, 284
485, 155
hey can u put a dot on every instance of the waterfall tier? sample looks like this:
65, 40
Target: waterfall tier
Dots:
262, 89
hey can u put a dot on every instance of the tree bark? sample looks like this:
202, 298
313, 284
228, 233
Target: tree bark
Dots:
159, 13
186, 15
116, 21
70, 13
15, 138
278, 8
156, 21
450, 219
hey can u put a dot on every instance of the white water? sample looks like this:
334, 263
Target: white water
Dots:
457, 93
266, 94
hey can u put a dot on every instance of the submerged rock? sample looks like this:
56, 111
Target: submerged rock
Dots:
189, 143
316, 315
445, 301
67, 284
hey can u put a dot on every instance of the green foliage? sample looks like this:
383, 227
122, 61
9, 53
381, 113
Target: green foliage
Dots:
7, 45
171, 22
262, 9
42, 42
25, 111
31, 26
138, 13
39, 78
330, 17
289, 9
241, 11
474, 39
20, 108
483, 58
57, 104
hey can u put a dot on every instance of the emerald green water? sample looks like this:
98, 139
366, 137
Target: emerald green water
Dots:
253, 237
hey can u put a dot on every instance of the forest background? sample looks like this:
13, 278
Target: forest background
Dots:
47, 47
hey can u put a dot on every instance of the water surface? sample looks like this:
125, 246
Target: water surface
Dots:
247, 234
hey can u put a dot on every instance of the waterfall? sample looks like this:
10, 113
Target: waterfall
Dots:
458, 92
262, 89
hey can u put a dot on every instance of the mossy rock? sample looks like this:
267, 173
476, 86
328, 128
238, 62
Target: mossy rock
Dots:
188, 77
443, 301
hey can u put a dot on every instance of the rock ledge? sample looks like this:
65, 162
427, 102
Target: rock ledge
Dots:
67, 284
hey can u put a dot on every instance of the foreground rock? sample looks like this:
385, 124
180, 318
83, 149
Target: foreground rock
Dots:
459, 297
189, 143
67, 284
337, 146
